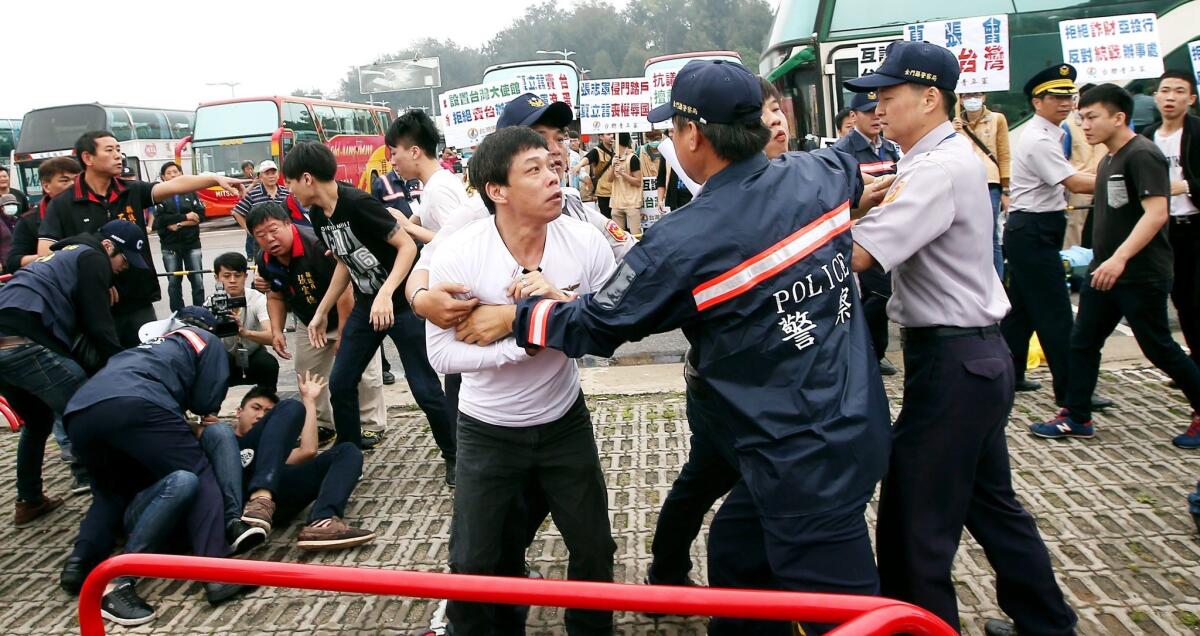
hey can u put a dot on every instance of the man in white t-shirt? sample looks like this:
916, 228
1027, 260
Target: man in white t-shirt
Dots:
1178, 137
522, 418
412, 139
249, 361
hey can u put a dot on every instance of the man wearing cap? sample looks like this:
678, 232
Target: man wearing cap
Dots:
1033, 234
776, 332
48, 307
268, 188
99, 196
949, 461
877, 156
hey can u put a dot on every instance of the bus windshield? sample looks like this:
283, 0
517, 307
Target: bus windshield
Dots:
238, 119
58, 128
227, 159
553, 81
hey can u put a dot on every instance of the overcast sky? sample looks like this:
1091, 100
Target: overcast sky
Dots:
162, 54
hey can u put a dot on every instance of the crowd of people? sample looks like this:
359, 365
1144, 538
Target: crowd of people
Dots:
499, 283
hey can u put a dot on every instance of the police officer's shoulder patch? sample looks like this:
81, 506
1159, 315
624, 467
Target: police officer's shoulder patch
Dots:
616, 232
894, 192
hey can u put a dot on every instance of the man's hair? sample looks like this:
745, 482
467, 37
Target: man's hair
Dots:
1114, 99
265, 211
949, 98
624, 140
573, 134
258, 391
1179, 75
769, 91
87, 142
732, 142
4, 169
248, 163
51, 168
495, 156
840, 118
170, 164
311, 157
231, 261
414, 128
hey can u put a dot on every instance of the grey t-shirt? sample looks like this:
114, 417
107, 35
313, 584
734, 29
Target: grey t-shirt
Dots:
1039, 168
934, 231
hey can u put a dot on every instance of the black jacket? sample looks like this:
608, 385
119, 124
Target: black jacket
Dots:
1189, 152
172, 211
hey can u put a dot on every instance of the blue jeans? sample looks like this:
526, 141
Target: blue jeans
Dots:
37, 383
155, 512
174, 261
220, 444
997, 253
360, 341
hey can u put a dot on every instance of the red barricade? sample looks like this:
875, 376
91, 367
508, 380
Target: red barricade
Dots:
858, 615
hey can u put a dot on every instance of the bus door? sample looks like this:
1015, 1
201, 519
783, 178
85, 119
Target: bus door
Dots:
846, 61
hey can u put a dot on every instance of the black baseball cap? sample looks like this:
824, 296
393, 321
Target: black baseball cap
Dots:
864, 101
197, 316
712, 92
911, 62
128, 238
529, 109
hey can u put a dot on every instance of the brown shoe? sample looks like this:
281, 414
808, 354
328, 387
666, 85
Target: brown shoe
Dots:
27, 511
332, 534
258, 512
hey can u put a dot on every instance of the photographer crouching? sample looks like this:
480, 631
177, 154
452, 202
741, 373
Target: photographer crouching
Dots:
249, 361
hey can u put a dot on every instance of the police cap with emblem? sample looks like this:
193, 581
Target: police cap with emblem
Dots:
712, 92
911, 63
529, 109
129, 240
863, 102
1056, 80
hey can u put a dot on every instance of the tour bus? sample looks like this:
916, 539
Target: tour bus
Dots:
230, 132
10, 132
149, 138
553, 80
815, 45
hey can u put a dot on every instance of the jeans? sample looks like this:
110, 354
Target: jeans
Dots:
1144, 306
154, 512
37, 383
497, 463
997, 253
360, 341
191, 260
1185, 293
220, 445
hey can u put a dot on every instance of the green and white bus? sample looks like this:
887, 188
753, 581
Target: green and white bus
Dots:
815, 45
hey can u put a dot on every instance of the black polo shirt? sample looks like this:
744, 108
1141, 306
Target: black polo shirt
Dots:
81, 211
306, 277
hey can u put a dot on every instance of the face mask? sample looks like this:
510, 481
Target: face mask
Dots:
973, 104
11, 209
654, 145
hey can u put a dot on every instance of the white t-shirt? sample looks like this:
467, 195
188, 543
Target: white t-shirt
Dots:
1181, 204
502, 384
253, 317
443, 193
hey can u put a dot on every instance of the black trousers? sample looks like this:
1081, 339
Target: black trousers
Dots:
262, 370
1144, 306
1037, 290
496, 465
604, 203
127, 324
1185, 293
949, 469
876, 290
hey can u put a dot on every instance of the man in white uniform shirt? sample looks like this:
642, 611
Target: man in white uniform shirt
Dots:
522, 418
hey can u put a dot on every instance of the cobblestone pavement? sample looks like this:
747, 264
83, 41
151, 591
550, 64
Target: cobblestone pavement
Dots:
1112, 511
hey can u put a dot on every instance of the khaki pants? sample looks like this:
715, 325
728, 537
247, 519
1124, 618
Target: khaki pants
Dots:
634, 217
372, 411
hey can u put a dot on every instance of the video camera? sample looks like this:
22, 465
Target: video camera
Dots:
223, 305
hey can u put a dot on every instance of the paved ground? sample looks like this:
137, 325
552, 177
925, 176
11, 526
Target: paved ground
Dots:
1112, 511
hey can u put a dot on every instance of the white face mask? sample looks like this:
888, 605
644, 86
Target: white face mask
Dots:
11, 209
973, 104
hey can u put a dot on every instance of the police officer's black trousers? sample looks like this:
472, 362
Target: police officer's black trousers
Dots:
949, 469
876, 287
1185, 294
1037, 290
162, 443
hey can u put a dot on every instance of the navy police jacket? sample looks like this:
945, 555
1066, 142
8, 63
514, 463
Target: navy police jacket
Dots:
756, 271
390, 190
871, 162
185, 370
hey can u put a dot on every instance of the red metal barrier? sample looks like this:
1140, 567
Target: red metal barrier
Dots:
861, 615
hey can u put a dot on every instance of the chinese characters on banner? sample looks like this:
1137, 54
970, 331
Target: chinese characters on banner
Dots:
650, 211
1194, 53
660, 91
1119, 47
870, 56
614, 105
980, 44
551, 87
469, 113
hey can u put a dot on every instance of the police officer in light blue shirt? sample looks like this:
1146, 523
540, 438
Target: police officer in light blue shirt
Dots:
949, 463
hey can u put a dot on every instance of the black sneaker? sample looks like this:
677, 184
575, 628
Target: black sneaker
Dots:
75, 571
451, 472
124, 607
244, 537
997, 627
388, 378
82, 480
218, 593
1028, 385
369, 440
887, 368
325, 435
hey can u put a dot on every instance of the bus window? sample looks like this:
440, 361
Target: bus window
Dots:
236, 119
8, 139
851, 15
329, 121
297, 117
385, 119
150, 124
181, 123
118, 124
49, 129
364, 123
346, 121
